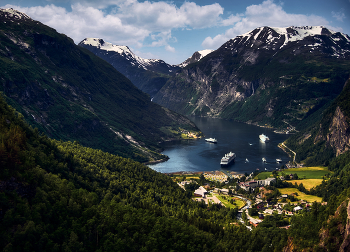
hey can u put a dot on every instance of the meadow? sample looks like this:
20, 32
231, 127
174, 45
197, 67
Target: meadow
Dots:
303, 173
307, 183
300, 195
225, 200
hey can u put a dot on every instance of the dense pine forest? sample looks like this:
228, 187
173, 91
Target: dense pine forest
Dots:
61, 196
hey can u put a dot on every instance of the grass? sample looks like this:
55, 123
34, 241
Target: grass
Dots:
303, 173
307, 183
301, 195
239, 203
192, 177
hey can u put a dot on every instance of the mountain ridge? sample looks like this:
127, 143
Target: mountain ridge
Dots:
67, 92
251, 77
149, 75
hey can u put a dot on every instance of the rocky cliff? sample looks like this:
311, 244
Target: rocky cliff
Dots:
335, 126
270, 76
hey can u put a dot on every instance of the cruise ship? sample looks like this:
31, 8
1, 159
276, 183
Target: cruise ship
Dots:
264, 138
228, 159
211, 140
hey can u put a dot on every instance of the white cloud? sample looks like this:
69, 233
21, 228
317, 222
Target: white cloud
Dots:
339, 15
127, 22
265, 14
84, 22
169, 48
231, 20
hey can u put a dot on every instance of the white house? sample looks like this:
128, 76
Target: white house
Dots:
200, 192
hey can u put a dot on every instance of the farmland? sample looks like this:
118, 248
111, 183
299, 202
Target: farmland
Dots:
300, 195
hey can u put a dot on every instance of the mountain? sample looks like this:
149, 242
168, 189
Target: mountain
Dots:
67, 92
328, 137
273, 77
149, 75
197, 56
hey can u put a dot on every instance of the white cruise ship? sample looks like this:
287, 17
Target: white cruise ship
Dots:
227, 159
264, 138
211, 140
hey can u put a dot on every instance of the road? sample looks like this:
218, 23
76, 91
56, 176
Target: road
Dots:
245, 208
291, 151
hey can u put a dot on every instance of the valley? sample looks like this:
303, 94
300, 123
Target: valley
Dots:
77, 130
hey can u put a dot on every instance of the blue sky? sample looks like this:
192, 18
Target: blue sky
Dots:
174, 30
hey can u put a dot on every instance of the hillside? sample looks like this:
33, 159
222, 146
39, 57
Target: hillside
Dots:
277, 77
147, 75
61, 196
328, 137
70, 94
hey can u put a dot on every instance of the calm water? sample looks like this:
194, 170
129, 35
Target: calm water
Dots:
243, 139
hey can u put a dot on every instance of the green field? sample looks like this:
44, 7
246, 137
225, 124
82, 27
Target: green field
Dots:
307, 183
303, 173
239, 203
301, 195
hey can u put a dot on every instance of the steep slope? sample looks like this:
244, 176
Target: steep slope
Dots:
70, 94
328, 137
148, 75
270, 76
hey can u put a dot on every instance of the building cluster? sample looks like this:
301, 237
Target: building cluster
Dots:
252, 184
216, 177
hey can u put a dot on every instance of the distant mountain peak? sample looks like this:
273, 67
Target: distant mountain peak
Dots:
197, 56
11, 13
120, 49
313, 37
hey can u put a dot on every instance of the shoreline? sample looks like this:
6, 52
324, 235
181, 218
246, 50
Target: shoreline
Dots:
200, 172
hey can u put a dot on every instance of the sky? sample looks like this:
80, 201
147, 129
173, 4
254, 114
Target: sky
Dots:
174, 30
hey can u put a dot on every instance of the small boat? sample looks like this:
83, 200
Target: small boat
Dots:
278, 160
211, 140
264, 138
227, 159
246, 160
264, 159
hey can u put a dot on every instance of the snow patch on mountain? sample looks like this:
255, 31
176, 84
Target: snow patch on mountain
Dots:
275, 38
197, 56
122, 50
204, 53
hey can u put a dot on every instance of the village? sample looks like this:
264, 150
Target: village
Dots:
256, 199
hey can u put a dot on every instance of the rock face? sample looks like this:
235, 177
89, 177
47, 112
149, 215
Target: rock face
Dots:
334, 128
269, 76
339, 133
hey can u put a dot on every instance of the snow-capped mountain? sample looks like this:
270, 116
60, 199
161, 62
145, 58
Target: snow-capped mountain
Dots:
149, 75
271, 76
305, 38
111, 50
197, 56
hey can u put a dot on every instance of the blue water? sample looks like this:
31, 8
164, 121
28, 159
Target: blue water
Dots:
243, 139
